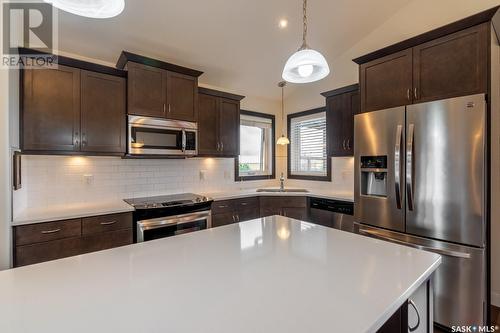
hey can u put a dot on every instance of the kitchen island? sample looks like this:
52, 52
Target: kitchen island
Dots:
273, 274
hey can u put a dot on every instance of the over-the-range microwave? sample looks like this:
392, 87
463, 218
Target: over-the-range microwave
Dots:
154, 136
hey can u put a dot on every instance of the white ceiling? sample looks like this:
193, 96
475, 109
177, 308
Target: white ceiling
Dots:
237, 43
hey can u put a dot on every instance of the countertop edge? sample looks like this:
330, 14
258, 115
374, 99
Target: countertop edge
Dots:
400, 301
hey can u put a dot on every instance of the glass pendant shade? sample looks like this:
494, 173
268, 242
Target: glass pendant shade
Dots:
90, 8
305, 66
283, 140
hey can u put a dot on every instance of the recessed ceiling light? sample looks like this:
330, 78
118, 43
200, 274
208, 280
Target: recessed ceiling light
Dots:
283, 23
90, 8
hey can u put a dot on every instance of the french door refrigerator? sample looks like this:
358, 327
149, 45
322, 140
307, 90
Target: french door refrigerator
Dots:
420, 180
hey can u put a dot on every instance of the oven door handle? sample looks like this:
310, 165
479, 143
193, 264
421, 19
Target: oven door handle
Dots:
177, 220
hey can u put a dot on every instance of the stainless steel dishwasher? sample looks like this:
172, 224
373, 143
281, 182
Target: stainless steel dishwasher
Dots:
332, 213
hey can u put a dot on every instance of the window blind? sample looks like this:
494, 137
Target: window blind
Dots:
308, 145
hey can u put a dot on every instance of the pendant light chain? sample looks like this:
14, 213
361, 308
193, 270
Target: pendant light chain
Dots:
304, 31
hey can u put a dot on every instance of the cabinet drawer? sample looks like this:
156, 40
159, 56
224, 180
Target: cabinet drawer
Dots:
41, 252
221, 207
106, 240
219, 220
246, 203
294, 202
104, 223
43, 232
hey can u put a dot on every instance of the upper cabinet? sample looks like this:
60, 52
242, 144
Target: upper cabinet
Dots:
432, 66
159, 89
67, 109
341, 106
219, 123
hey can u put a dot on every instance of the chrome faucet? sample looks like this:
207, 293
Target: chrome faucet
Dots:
282, 183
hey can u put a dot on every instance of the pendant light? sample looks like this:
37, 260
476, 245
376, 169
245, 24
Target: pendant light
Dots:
282, 140
306, 65
90, 8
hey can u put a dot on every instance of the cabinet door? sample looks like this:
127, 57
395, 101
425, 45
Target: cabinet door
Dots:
103, 114
106, 240
182, 97
229, 127
247, 214
147, 90
454, 65
334, 123
386, 82
208, 125
295, 213
270, 211
219, 220
41, 252
50, 109
353, 106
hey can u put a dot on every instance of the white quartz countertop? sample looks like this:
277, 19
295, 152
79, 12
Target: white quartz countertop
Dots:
71, 211
235, 194
266, 275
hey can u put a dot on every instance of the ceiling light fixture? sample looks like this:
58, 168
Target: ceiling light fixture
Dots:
283, 23
90, 8
282, 140
305, 65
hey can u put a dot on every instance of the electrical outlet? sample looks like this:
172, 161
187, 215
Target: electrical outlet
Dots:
88, 179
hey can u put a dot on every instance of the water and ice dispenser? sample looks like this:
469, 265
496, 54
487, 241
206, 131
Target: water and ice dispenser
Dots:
374, 176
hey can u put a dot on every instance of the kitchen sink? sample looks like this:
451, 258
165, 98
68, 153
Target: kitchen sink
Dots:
277, 190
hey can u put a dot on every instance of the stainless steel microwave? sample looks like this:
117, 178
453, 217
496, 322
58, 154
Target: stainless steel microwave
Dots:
154, 136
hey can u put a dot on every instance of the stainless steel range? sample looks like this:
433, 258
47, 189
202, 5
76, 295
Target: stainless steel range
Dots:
170, 215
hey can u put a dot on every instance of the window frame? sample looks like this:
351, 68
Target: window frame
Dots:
237, 177
290, 175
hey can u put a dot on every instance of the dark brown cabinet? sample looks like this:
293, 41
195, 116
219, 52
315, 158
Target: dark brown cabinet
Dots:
147, 90
293, 207
341, 106
452, 65
219, 123
50, 109
234, 211
103, 121
156, 92
66, 110
386, 82
35, 243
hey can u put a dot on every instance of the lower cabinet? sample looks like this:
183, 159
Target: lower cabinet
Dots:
41, 242
293, 207
233, 211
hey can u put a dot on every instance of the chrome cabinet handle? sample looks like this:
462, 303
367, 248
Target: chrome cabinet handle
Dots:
222, 206
244, 203
234, 219
164, 108
169, 108
409, 166
222, 146
415, 93
45, 232
348, 144
397, 165
343, 144
237, 218
448, 253
108, 223
414, 328
408, 94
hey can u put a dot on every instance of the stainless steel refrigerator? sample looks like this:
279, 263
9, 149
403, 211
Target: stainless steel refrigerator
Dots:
420, 180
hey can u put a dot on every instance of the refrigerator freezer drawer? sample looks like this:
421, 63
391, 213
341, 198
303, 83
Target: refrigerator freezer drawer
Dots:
459, 283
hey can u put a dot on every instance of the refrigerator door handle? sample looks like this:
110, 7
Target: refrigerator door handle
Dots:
448, 253
397, 165
409, 167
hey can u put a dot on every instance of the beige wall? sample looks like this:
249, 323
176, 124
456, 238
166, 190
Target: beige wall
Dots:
5, 202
